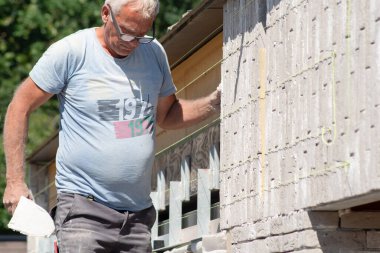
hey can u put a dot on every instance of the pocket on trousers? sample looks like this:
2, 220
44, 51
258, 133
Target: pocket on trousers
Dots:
64, 209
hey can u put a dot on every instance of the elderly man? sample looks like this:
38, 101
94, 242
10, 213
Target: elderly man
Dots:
114, 85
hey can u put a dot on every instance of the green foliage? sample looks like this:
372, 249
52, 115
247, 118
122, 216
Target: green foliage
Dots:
4, 216
171, 11
27, 28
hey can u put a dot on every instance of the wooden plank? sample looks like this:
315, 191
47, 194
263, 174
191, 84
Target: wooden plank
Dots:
204, 59
155, 200
185, 178
52, 191
161, 190
361, 220
214, 167
204, 202
175, 213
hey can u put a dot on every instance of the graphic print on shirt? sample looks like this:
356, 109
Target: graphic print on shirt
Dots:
131, 117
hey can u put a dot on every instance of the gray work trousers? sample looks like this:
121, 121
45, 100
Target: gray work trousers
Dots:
84, 226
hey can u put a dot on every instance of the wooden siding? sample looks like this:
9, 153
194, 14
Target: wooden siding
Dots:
52, 190
197, 76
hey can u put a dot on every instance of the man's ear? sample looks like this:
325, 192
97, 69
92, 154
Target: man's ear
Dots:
105, 14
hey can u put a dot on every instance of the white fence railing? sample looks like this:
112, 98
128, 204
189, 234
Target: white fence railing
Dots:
179, 192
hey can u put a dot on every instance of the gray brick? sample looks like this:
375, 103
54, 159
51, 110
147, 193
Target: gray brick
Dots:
373, 240
353, 240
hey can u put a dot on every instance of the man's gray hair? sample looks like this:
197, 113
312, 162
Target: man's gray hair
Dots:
149, 8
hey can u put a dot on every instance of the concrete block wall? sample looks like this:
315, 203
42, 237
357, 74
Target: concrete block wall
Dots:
300, 124
307, 231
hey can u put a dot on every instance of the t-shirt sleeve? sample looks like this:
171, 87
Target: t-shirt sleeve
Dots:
51, 71
168, 87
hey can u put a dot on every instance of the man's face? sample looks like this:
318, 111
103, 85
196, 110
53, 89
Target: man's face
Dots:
130, 22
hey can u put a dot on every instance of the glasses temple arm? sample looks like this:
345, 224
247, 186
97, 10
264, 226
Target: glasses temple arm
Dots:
115, 24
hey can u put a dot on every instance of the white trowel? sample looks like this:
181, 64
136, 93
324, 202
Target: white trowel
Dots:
31, 219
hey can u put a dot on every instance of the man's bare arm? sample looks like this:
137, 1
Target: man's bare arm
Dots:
27, 98
173, 113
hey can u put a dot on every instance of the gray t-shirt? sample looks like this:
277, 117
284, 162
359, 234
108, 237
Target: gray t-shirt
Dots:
107, 125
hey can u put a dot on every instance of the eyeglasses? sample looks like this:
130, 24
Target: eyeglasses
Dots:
127, 37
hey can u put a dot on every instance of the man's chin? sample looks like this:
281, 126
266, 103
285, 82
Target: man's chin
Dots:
122, 53
125, 51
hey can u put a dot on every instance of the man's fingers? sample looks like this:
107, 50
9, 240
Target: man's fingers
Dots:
11, 204
215, 100
12, 193
10, 208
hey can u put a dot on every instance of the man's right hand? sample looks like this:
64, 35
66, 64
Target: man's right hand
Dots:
13, 191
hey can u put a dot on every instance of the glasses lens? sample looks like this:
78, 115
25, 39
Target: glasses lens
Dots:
127, 37
145, 40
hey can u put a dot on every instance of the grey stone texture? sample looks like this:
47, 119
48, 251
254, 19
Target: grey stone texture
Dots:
300, 126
